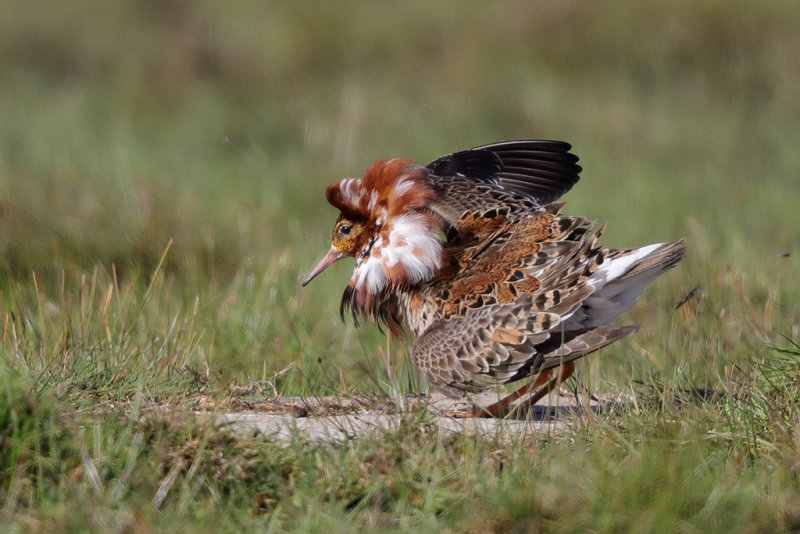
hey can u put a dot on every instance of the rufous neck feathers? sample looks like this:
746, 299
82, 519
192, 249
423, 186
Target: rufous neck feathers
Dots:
402, 239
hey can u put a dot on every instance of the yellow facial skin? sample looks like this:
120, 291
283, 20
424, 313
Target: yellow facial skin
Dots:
347, 239
346, 236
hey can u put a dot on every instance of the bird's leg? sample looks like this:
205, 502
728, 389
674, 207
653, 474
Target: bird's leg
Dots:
501, 408
564, 372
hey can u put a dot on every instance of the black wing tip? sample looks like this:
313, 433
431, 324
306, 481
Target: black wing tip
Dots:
546, 150
549, 145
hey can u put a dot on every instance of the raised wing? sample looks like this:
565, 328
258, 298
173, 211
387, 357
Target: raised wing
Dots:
541, 170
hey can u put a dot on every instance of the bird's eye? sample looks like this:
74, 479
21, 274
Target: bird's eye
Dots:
345, 229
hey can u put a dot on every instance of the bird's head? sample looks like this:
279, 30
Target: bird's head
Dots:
387, 224
348, 238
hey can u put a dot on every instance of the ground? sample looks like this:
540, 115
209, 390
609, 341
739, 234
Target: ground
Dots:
162, 175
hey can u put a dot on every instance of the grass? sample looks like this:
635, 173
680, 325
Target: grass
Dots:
161, 174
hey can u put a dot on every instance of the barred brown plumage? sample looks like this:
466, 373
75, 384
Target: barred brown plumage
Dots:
471, 255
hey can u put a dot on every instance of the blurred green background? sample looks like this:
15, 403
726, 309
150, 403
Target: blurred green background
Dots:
217, 125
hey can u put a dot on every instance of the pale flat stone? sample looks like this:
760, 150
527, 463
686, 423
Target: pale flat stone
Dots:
334, 419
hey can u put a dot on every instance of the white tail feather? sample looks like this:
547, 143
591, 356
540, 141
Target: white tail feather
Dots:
619, 281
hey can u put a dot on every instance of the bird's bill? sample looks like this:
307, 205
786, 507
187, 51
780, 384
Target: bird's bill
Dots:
327, 260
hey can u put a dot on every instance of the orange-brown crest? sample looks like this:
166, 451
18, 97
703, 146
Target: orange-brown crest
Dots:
390, 187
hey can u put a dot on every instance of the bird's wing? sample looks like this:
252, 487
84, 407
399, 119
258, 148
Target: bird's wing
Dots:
541, 170
498, 261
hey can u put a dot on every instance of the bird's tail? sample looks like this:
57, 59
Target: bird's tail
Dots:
620, 279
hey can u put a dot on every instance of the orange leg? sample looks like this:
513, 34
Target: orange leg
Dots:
502, 407
564, 372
